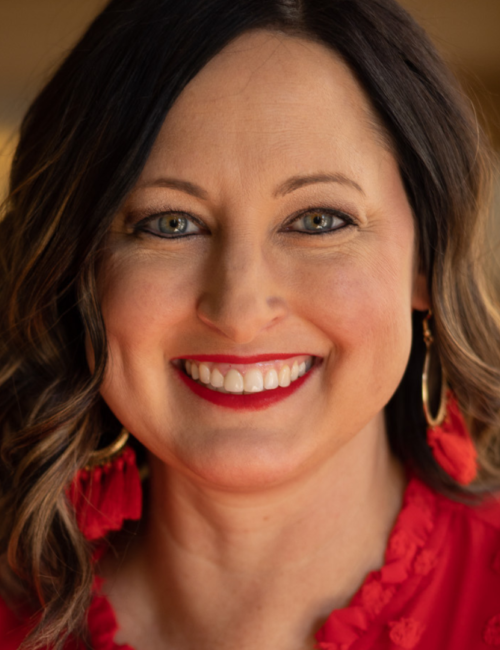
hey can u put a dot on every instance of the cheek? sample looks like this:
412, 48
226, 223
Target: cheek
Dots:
362, 305
143, 300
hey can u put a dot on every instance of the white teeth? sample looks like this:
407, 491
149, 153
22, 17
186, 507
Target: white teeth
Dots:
217, 378
204, 373
284, 377
254, 381
250, 380
271, 379
233, 381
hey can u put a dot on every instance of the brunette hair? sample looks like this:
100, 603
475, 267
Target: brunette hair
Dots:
83, 144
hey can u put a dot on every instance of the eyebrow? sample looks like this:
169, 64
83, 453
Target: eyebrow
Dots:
297, 182
176, 184
288, 186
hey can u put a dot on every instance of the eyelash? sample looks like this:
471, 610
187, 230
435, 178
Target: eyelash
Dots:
349, 221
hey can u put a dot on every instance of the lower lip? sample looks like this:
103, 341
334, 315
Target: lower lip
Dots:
249, 401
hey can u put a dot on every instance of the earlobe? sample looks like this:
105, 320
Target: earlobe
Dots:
420, 296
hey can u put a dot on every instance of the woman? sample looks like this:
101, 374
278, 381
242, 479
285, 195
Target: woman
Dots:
237, 231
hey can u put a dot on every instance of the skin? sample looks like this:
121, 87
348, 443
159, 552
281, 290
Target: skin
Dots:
259, 523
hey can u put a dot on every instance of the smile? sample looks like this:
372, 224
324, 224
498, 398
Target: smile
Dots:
248, 378
258, 383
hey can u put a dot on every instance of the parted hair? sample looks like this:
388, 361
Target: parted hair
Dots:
83, 144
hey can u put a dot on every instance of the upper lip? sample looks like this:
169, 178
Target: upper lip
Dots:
230, 358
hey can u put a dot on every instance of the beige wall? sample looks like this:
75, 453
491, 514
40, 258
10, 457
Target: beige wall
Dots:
8, 138
34, 36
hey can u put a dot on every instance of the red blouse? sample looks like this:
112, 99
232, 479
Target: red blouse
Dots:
439, 588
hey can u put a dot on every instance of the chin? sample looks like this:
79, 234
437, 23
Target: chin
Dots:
242, 460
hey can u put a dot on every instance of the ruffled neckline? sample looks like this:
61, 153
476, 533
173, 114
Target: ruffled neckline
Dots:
405, 556
102, 622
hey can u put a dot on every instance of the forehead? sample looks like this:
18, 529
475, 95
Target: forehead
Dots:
268, 94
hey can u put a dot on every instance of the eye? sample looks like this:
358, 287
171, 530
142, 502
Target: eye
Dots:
317, 221
170, 225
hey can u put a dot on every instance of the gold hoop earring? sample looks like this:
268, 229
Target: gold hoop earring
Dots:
441, 414
106, 455
447, 434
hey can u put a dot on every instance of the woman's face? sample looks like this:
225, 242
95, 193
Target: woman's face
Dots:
270, 219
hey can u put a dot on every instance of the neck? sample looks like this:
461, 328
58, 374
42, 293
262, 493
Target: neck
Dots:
290, 553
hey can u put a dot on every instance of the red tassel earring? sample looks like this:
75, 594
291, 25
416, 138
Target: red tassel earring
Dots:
447, 433
108, 490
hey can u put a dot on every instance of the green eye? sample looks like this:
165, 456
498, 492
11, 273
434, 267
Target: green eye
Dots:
173, 225
170, 225
318, 221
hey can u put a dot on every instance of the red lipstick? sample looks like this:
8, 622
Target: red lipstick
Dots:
231, 358
249, 401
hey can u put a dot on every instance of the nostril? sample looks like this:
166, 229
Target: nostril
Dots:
240, 314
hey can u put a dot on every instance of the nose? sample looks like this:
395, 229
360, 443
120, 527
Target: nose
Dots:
240, 296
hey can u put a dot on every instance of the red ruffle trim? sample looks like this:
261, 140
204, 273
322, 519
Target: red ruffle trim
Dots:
405, 556
102, 622
102, 625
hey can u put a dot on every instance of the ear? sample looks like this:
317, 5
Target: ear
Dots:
420, 299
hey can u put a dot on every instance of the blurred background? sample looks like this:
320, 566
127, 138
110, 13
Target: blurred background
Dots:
36, 34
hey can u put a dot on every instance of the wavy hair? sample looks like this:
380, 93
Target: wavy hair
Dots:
83, 144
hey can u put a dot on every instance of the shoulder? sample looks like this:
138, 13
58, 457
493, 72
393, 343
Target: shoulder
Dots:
479, 523
464, 539
14, 627
464, 590
450, 595
471, 532
487, 513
